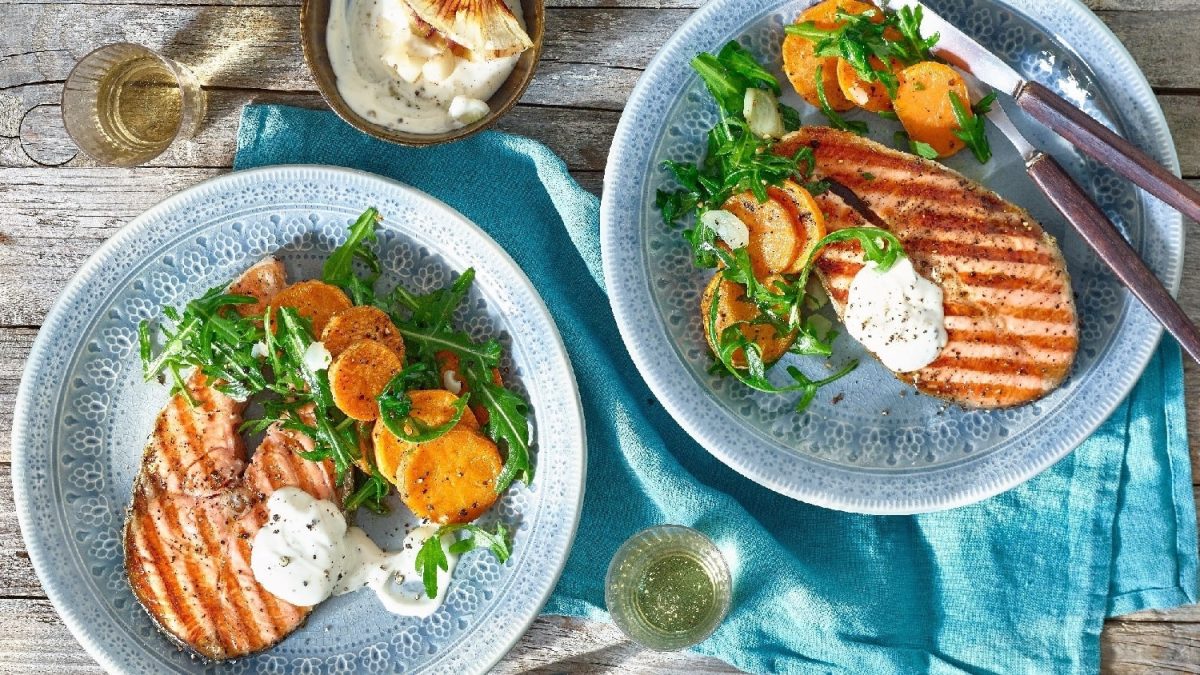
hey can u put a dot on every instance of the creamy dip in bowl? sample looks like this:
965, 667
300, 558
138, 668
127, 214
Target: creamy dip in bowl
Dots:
390, 74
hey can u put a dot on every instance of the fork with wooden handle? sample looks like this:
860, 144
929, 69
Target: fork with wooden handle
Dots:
1094, 140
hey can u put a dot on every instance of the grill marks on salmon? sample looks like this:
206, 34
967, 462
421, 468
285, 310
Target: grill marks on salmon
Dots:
1010, 313
197, 504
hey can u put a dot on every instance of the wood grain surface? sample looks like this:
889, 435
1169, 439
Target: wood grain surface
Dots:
57, 206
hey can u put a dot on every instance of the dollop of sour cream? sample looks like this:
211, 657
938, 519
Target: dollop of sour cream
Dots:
402, 80
896, 314
305, 553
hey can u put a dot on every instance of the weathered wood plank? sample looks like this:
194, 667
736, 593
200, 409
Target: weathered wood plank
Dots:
33, 638
14, 349
17, 578
51, 220
561, 644
1183, 118
1159, 58
1139, 647
259, 46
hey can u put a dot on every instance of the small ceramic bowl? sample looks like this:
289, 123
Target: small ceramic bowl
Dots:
314, 14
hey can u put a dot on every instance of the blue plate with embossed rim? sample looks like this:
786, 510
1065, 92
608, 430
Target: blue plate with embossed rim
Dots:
83, 415
869, 444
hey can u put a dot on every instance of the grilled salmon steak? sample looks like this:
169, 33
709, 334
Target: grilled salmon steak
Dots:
197, 504
1009, 311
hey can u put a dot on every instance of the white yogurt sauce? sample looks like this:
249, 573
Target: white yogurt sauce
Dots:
401, 80
305, 553
896, 314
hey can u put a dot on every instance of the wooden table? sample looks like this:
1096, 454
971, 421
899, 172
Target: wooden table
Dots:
57, 206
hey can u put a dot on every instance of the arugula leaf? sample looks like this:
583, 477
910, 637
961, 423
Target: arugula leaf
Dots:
731, 340
916, 147
729, 73
339, 266
984, 105
431, 340
738, 59
913, 47
780, 305
431, 557
879, 246
728, 88
211, 336
791, 117
737, 159
923, 149
497, 542
675, 205
426, 323
862, 41
507, 421
835, 120
971, 127
371, 493
331, 441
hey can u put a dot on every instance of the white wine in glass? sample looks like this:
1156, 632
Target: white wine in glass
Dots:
125, 104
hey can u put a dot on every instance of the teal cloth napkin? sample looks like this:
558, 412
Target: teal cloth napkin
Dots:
1019, 583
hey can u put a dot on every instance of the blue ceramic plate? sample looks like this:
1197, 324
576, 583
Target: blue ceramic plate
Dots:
83, 415
868, 443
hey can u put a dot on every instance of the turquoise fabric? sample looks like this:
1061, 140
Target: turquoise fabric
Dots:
1019, 583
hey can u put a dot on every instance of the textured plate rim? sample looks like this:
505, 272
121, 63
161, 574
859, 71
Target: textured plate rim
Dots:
623, 298
21, 407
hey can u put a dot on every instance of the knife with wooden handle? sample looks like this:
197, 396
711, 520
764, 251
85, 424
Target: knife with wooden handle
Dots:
1094, 140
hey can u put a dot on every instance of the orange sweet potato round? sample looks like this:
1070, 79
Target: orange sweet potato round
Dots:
732, 307
774, 239
361, 323
314, 300
923, 105
452, 478
359, 374
800, 64
432, 407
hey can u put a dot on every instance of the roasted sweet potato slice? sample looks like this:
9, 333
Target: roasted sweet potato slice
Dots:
871, 96
359, 374
433, 407
800, 64
810, 222
924, 108
314, 300
361, 323
452, 478
824, 14
732, 308
774, 242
